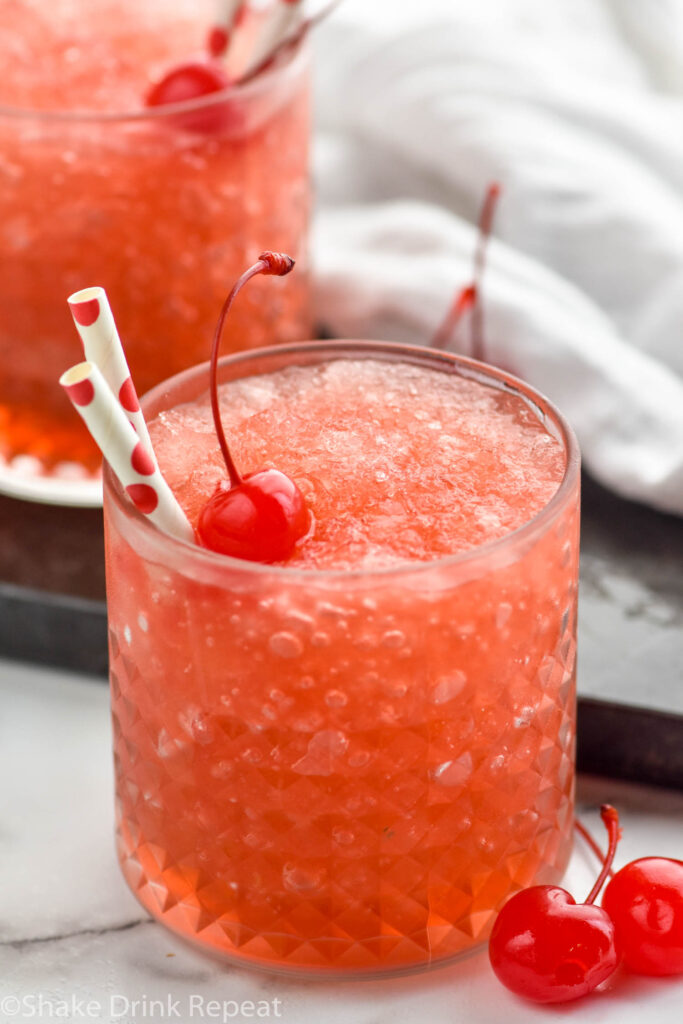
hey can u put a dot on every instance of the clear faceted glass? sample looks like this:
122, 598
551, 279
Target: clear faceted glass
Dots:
343, 772
164, 207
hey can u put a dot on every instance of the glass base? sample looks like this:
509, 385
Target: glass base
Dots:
310, 973
395, 955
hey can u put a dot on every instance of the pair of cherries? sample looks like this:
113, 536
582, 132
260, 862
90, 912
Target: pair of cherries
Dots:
549, 949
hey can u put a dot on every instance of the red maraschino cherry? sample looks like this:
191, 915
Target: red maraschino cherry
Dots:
645, 901
546, 947
261, 516
192, 81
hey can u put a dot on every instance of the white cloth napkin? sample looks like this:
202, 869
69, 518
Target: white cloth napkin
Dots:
576, 108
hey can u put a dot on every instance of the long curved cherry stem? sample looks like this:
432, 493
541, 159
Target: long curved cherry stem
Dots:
470, 297
610, 818
588, 838
267, 263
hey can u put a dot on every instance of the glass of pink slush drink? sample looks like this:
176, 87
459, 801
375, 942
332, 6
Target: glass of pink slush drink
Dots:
160, 205
347, 763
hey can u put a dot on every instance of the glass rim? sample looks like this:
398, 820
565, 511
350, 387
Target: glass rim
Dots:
473, 369
246, 91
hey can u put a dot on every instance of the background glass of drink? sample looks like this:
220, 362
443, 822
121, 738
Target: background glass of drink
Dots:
160, 206
343, 771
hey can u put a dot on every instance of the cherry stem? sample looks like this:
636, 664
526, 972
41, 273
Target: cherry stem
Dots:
268, 263
588, 838
464, 300
610, 819
470, 296
485, 228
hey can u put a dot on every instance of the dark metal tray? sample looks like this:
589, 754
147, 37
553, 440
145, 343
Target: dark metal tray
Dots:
52, 611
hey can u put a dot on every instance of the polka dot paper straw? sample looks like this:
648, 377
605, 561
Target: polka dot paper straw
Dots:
102, 346
133, 463
228, 15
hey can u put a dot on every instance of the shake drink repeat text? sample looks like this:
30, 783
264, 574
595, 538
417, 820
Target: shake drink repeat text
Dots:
192, 1006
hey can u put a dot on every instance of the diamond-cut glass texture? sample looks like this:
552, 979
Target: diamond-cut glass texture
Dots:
343, 776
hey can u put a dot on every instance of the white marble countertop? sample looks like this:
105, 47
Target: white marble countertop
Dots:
75, 945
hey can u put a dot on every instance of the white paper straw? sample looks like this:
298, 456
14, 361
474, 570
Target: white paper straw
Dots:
227, 11
228, 14
134, 463
102, 346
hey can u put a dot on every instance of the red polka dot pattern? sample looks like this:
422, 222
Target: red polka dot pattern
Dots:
81, 393
143, 497
127, 396
217, 42
141, 460
85, 313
